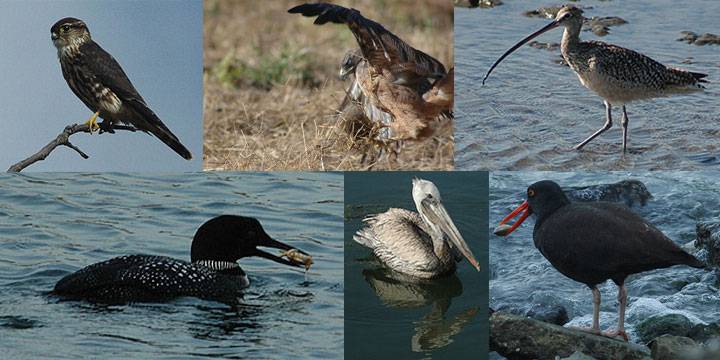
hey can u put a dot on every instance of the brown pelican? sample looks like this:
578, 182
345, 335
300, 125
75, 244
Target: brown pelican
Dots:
425, 244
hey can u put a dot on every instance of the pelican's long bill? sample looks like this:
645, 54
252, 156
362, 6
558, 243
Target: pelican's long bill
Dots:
503, 229
522, 42
438, 216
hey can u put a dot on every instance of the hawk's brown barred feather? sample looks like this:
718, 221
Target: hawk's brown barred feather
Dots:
99, 81
392, 75
379, 46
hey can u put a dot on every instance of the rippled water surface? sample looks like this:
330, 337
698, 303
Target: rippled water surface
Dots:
54, 224
521, 276
532, 111
391, 317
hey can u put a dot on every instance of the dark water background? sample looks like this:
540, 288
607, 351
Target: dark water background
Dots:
54, 224
444, 319
532, 111
521, 276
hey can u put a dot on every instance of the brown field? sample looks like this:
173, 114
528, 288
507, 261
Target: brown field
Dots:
272, 87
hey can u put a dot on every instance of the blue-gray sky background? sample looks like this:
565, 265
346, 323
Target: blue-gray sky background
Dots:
159, 45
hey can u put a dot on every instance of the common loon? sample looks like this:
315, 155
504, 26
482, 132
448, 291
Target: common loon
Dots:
212, 274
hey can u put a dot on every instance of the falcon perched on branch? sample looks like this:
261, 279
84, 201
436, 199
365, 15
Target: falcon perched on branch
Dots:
394, 78
99, 81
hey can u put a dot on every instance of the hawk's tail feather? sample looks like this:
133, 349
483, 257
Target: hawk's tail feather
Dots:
154, 125
172, 141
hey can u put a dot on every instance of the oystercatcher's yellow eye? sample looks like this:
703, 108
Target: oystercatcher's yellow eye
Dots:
531, 192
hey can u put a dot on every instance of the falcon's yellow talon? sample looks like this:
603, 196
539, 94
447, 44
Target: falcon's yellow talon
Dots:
92, 122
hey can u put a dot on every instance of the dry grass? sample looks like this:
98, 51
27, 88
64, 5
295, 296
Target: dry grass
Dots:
272, 89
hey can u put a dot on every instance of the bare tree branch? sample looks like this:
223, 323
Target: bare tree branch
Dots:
62, 139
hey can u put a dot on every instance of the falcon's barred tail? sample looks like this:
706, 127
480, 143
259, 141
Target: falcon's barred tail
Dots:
155, 126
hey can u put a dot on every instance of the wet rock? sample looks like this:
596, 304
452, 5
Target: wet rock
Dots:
477, 3
553, 314
705, 332
601, 25
542, 45
682, 348
700, 40
578, 356
630, 192
669, 324
708, 240
549, 313
548, 12
668, 347
598, 25
517, 337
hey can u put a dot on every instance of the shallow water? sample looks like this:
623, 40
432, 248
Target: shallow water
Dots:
521, 276
391, 317
532, 111
54, 224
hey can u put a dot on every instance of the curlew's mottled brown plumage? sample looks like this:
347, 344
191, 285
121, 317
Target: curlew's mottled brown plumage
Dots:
392, 75
616, 74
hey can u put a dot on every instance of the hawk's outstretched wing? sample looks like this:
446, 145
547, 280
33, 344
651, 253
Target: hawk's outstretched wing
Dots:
381, 48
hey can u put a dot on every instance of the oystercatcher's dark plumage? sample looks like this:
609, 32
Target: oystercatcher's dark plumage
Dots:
595, 242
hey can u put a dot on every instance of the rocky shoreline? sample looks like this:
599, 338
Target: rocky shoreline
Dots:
522, 338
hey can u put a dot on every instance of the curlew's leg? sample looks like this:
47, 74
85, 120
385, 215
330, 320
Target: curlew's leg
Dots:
625, 128
622, 299
608, 124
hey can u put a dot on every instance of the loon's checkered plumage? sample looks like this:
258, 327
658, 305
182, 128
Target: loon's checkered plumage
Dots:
212, 273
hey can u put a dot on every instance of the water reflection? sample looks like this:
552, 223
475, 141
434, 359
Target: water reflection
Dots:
433, 330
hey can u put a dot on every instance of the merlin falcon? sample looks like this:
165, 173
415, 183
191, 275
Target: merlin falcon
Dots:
97, 79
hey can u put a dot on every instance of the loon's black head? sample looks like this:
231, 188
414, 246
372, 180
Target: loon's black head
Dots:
231, 237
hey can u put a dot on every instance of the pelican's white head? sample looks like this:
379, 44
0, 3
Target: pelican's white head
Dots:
424, 189
429, 204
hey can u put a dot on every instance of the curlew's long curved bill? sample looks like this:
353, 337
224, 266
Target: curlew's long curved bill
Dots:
436, 214
503, 229
522, 42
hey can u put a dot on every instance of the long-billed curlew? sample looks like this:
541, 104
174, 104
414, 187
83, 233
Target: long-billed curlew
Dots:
617, 74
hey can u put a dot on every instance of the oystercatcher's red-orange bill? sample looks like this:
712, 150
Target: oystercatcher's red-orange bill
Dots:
503, 229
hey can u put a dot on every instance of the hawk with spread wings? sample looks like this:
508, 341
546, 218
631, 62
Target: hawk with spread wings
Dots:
399, 87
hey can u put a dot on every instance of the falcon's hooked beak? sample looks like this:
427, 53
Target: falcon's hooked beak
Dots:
53, 36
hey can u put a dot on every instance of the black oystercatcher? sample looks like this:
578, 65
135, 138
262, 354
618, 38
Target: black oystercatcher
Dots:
594, 242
